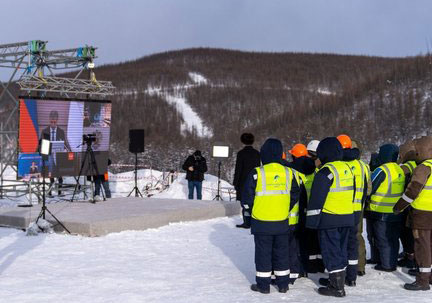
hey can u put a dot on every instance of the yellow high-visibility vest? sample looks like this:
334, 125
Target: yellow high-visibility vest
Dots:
361, 171
295, 210
424, 199
411, 165
272, 192
307, 182
390, 190
340, 198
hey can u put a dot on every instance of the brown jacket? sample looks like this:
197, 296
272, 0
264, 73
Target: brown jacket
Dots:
417, 219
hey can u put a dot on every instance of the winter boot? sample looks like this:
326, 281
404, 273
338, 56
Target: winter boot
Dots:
243, 225
379, 267
255, 287
324, 281
335, 287
421, 282
416, 286
350, 283
283, 289
361, 273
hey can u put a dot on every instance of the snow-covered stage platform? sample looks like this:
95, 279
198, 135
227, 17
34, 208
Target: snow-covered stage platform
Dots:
119, 214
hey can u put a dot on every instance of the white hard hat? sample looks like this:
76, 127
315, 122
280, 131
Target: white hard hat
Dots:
313, 145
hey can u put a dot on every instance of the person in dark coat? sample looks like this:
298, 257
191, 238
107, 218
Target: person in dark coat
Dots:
303, 241
247, 159
270, 192
330, 211
195, 167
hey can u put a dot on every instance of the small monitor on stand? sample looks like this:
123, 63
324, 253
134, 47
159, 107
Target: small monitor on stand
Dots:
220, 151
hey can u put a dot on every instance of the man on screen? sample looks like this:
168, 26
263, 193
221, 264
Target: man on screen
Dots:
54, 133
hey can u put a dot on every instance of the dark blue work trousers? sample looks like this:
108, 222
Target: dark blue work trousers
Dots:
198, 186
334, 247
353, 254
383, 237
272, 254
298, 255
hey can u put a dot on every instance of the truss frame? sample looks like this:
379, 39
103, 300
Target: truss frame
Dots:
30, 61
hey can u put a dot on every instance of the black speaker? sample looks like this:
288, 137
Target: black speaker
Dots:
136, 140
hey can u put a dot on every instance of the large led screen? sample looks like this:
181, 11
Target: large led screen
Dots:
64, 123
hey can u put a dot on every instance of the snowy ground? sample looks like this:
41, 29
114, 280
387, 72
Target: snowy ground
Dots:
208, 261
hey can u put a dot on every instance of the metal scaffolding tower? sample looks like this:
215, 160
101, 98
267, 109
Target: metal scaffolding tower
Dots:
33, 69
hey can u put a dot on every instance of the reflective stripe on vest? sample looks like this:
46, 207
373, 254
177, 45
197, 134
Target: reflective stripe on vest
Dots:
307, 182
294, 212
272, 193
340, 198
411, 165
390, 190
361, 172
424, 199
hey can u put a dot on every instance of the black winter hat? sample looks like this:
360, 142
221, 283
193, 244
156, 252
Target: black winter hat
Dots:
197, 153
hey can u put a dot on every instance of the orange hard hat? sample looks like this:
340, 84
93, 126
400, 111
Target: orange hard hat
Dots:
299, 150
345, 141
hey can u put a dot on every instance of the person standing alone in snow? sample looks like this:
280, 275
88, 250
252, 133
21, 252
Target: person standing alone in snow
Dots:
195, 167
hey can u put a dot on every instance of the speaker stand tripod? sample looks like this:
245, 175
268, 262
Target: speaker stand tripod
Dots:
218, 197
136, 189
44, 208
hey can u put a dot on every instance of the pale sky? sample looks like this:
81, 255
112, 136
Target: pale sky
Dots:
129, 29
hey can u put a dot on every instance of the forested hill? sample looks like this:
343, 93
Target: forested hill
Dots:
191, 98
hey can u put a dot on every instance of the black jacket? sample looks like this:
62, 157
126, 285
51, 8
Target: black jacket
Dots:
200, 167
60, 135
271, 152
247, 159
329, 150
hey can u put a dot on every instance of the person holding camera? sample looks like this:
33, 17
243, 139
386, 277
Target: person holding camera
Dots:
195, 167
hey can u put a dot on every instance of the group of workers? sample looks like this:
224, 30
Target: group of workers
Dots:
306, 215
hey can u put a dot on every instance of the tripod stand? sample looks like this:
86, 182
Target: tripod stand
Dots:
90, 159
44, 208
136, 189
218, 197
